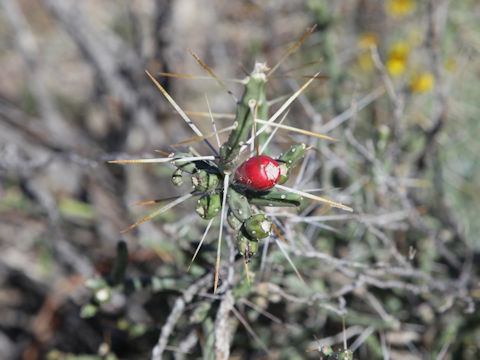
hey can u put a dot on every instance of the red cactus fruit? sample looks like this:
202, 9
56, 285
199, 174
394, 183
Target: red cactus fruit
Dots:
258, 173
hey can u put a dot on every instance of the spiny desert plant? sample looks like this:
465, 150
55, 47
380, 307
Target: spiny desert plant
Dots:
239, 191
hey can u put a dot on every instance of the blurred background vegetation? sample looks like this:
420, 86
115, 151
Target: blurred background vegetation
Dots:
401, 94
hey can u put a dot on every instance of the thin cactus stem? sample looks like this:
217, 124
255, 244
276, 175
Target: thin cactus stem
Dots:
161, 210
220, 82
200, 243
294, 129
314, 197
226, 180
284, 252
254, 92
214, 126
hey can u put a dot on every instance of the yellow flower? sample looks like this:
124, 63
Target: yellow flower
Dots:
397, 58
396, 67
364, 42
400, 8
422, 82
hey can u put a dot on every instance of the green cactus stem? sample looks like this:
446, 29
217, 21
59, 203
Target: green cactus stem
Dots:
254, 94
238, 203
289, 159
232, 220
275, 199
258, 226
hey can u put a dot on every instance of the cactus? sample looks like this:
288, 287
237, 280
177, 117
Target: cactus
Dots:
254, 95
256, 181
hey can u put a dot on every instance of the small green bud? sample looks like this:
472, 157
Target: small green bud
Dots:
232, 220
88, 310
209, 205
258, 226
204, 181
326, 350
177, 179
188, 167
238, 203
289, 159
102, 295
247, 247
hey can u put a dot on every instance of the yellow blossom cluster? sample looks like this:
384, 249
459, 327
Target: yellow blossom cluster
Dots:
400, 8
